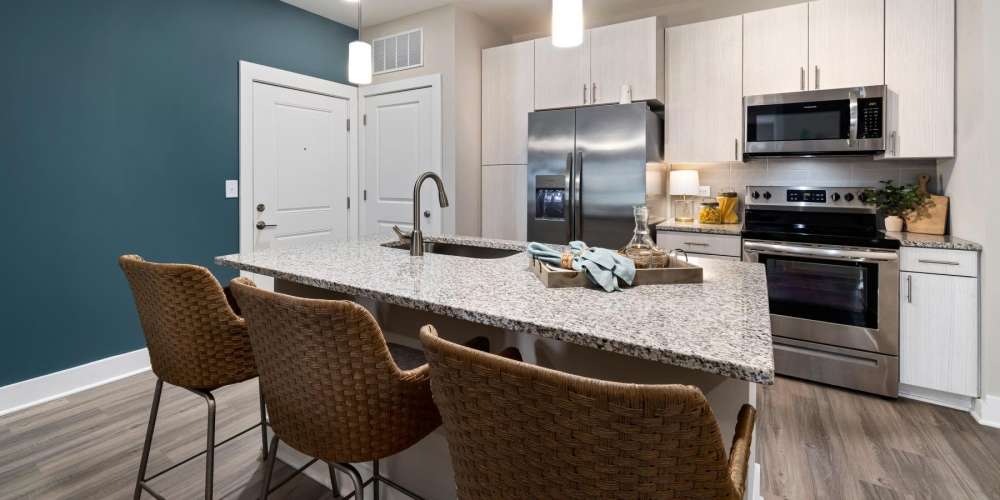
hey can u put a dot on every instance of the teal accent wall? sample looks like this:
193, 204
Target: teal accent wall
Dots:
118, 127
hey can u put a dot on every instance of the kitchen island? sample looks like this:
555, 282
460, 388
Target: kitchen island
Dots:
714, 335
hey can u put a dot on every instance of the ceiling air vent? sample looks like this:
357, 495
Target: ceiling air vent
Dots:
398, 52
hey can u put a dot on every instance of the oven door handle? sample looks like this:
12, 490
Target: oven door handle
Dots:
833, 254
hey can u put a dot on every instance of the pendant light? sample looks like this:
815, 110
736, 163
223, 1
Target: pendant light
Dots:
567, 23
359, 58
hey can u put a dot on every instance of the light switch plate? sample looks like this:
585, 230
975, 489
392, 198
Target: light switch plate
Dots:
705, 191
232, 188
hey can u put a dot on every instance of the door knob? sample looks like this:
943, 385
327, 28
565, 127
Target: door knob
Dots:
260, 207
427, 213
264, 225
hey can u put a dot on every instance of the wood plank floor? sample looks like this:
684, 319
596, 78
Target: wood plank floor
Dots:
815, 442
819, 442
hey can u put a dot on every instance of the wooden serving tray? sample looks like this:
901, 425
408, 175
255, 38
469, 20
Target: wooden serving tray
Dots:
678, 272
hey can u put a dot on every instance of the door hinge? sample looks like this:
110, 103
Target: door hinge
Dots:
348, 202
364, 195
348, 124
364, 119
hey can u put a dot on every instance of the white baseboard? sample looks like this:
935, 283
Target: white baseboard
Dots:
986, 411
31, 392
955, 401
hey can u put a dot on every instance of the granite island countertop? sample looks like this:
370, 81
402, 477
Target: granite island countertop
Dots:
721, 326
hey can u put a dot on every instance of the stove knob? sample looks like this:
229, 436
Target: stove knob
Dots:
756, 195
849, 197
836, 196
862, 198
767, 195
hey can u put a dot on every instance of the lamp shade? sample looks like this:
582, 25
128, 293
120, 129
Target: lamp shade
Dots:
359, 63
684, 182
567, 23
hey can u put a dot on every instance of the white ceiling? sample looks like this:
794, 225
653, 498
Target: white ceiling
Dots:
524, 19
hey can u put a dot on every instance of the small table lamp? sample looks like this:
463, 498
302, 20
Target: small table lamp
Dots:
684, 183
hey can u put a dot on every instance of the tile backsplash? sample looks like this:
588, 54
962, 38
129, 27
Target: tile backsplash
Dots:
819, 172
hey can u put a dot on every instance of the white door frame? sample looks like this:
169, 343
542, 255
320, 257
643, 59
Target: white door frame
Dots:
432, 82
251, 73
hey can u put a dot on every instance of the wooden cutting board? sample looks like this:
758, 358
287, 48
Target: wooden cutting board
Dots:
931, 220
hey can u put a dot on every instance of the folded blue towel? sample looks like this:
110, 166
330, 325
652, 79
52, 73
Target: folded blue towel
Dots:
602, 267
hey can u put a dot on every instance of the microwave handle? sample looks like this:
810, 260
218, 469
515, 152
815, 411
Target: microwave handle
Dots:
853, 133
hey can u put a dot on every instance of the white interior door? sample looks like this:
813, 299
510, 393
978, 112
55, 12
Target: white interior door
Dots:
398, 147
301, 167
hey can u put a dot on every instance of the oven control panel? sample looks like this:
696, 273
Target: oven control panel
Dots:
797, 196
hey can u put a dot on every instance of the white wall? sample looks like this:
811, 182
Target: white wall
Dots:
971, 179
453, 43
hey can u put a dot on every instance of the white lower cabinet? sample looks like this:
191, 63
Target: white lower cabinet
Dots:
505, 202
726, 247
939, 333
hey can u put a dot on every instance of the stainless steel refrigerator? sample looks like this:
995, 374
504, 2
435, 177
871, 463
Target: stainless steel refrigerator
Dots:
587, 169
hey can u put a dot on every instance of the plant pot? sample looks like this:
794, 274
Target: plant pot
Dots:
893, 224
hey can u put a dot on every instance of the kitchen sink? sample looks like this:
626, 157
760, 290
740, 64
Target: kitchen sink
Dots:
456, 249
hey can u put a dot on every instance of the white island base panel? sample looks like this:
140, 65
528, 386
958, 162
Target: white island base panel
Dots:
426, 467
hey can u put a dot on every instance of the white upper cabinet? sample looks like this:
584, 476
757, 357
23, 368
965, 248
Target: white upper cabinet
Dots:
920, 75
626, 54
562, 75
846, 43
704, 91
508, 97
776, 50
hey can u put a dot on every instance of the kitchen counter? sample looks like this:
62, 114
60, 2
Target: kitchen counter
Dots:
946, 242
721, 326
697, 227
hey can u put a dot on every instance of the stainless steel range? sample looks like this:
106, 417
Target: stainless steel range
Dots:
833, 284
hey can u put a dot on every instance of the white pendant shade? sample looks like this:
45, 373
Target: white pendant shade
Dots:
684, 183
567, 23
359, 63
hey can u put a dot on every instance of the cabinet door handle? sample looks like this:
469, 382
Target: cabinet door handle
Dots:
593, 93
816, 80
802, 77
909, 289
585, 93
736, 149
941, 262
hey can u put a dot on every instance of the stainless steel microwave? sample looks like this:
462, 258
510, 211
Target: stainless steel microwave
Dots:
836, 122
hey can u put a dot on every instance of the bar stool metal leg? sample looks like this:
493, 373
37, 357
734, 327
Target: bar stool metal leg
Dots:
263, 422
149, 439
210, 449
375, 478
269, 468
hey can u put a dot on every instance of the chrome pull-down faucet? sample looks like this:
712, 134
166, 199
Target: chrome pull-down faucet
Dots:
417, 237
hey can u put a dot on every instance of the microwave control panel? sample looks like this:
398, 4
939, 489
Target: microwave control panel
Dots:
870, 118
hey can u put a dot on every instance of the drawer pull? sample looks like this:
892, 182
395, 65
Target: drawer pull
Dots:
693, 244
941, 262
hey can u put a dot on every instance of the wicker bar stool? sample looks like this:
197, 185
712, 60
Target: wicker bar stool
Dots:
522, 431
196, 341
334, 388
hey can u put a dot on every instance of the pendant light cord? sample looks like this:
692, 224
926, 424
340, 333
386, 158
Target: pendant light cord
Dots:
359, 21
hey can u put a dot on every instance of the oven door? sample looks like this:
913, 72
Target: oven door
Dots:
839, 296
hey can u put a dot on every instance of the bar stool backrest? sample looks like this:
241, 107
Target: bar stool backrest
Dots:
517, 430
195, 340
330, 384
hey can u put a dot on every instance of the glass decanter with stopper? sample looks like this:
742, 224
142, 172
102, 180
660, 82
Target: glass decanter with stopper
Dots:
641, 248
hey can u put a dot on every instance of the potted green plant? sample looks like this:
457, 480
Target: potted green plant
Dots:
895, 202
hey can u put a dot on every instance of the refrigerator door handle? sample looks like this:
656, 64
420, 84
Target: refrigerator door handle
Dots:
578, 197
570, 203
